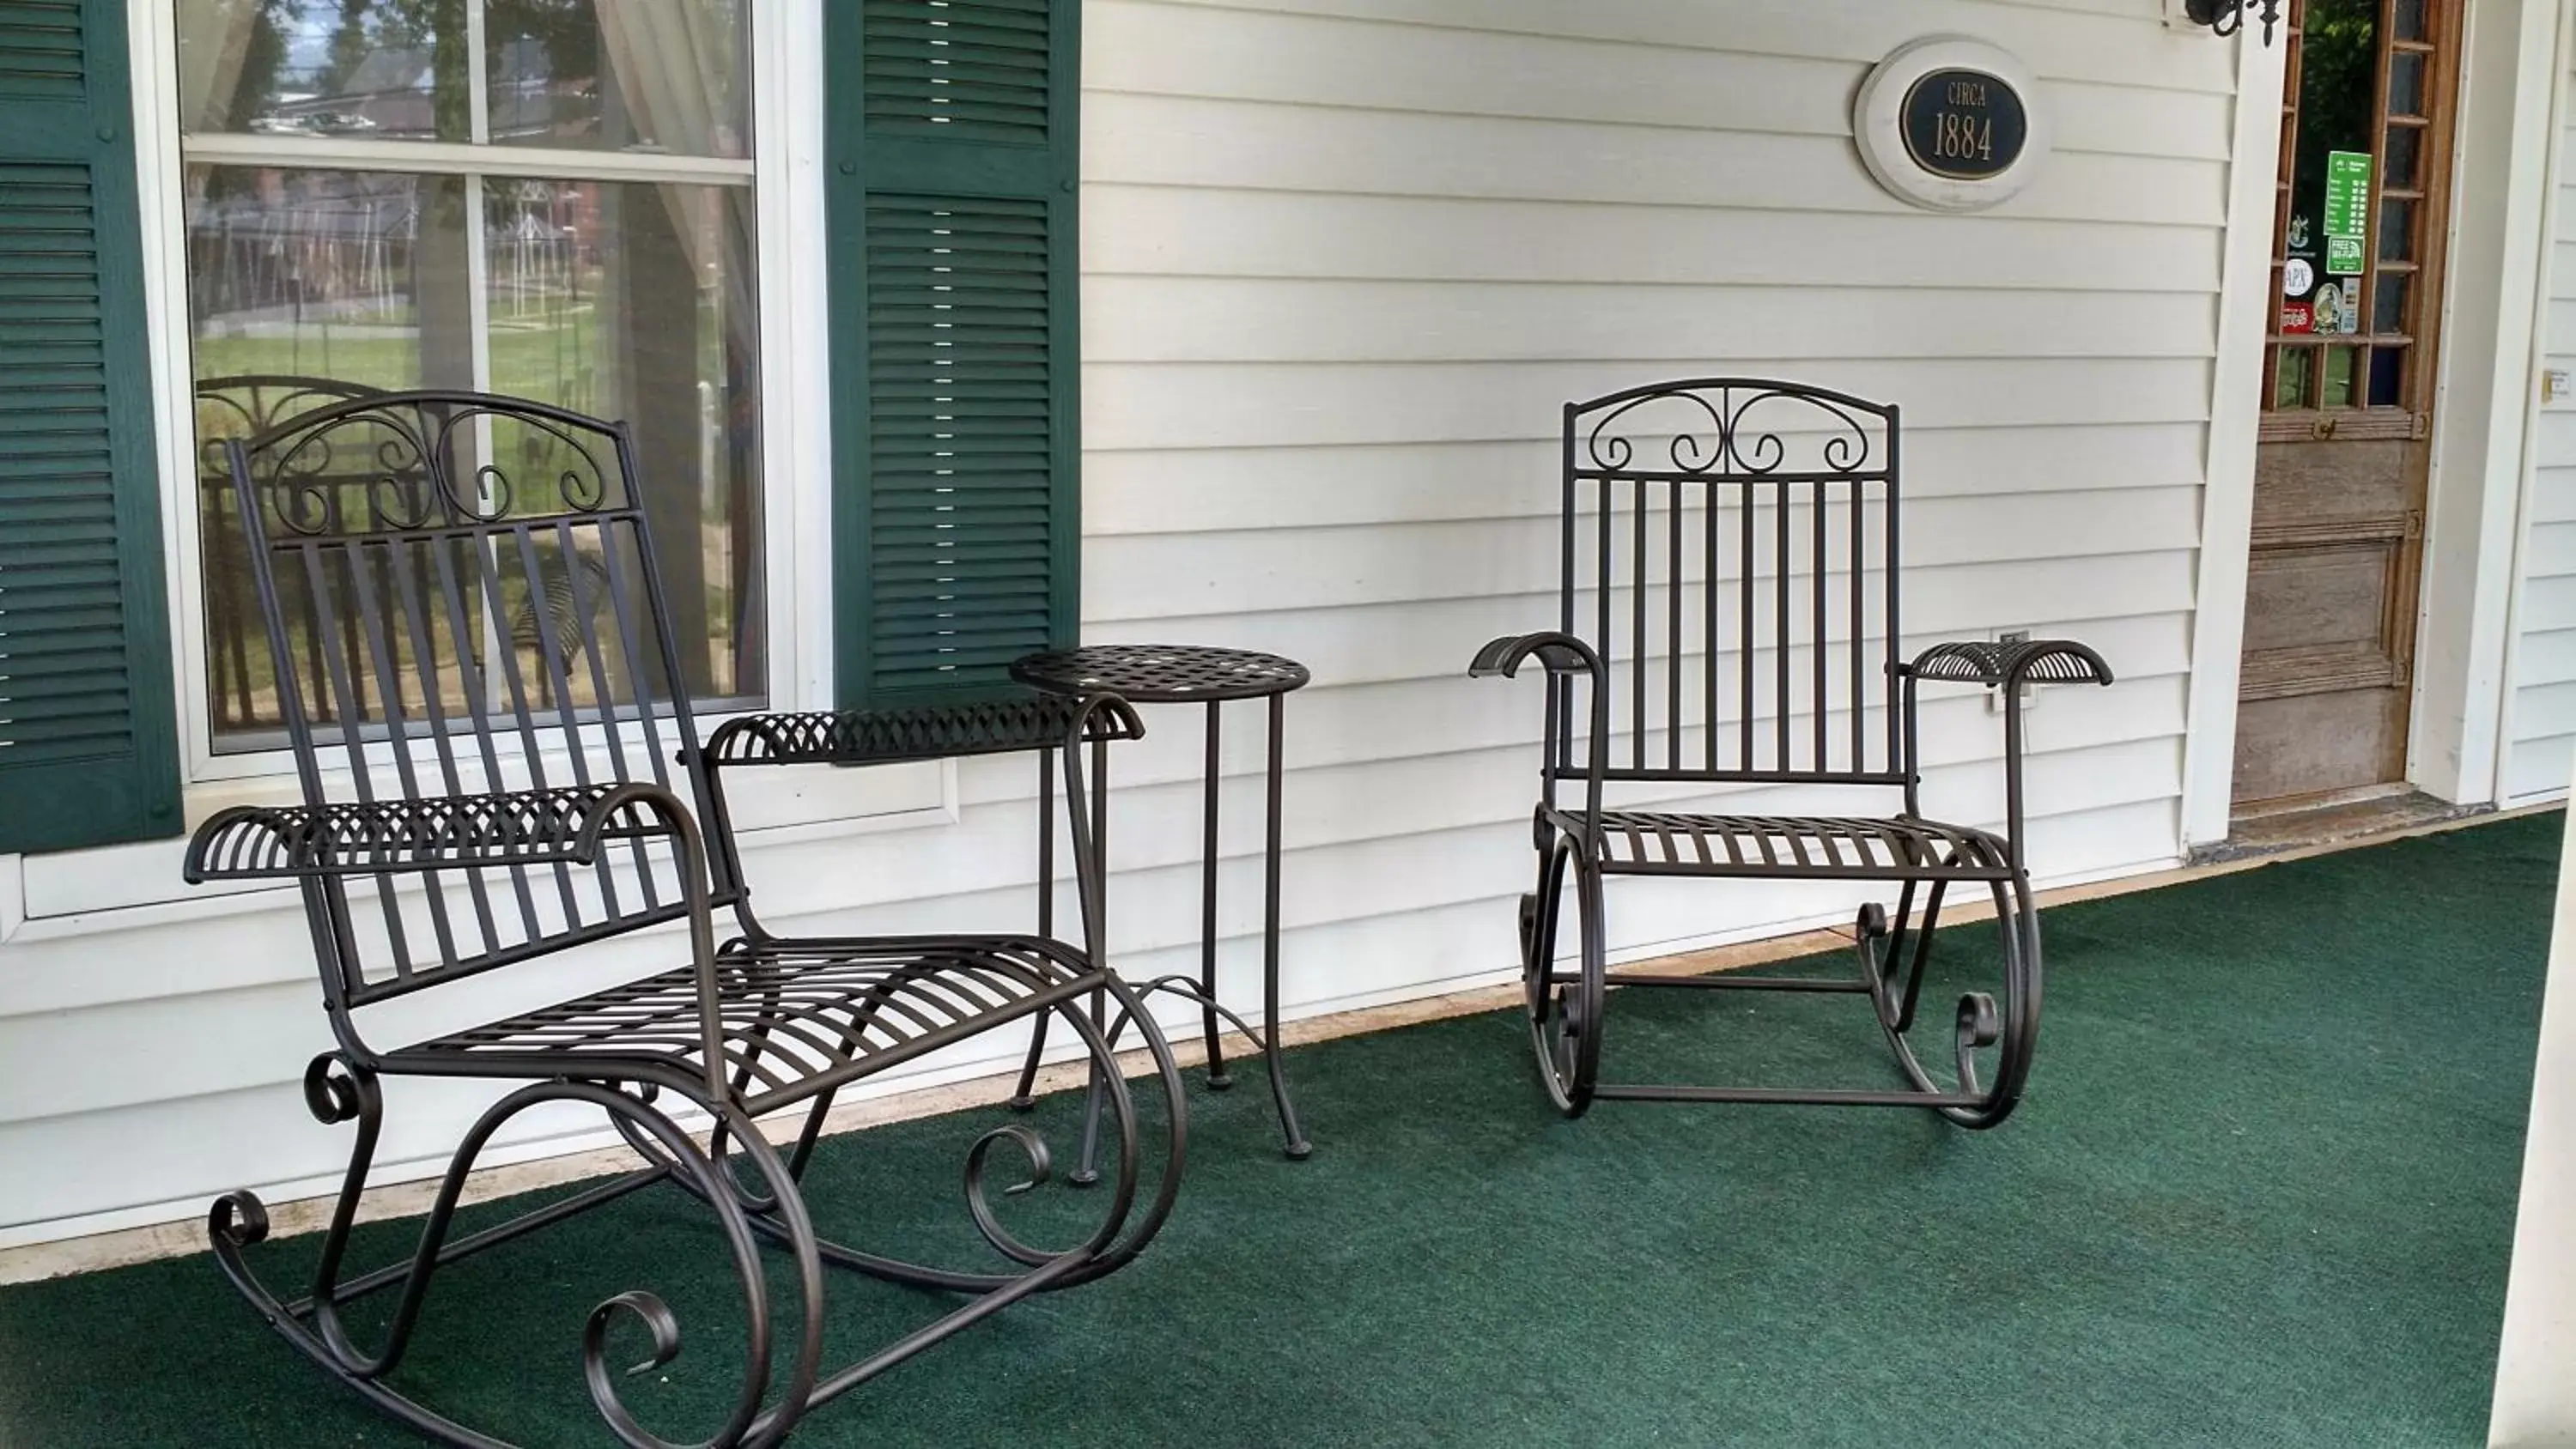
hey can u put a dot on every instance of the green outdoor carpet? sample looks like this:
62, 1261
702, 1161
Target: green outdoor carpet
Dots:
2261, 1192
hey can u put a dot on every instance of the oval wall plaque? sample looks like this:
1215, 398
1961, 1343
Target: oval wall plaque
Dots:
1950, 124
1964, 124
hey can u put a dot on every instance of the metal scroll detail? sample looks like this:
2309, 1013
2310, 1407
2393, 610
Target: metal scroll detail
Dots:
406, 462
1723, 429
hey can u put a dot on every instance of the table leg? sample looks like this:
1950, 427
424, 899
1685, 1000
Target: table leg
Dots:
1218, 1078
1087, 1171
1298, 1146
1021, 1101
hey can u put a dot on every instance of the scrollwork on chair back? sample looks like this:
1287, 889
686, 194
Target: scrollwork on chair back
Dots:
1734, 429
409, 462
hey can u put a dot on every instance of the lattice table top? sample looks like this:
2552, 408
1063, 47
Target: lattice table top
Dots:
1162, 673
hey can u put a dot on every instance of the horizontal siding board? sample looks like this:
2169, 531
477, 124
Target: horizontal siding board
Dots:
2538, 768
1127, 406
1145, 576
1231, 489
1233, 229
2110, 41
1173, 141
1200, 320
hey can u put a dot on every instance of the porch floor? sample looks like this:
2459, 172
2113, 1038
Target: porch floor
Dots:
2261, 1191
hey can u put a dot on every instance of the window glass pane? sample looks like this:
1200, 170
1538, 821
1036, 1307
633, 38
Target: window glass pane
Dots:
2410, 19
634, 300
617, 75
306, 287
388, 70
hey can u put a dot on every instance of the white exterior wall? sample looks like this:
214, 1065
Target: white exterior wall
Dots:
1344, 261
2540, 720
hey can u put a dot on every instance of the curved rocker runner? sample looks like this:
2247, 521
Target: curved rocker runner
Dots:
1729, 606
504, 796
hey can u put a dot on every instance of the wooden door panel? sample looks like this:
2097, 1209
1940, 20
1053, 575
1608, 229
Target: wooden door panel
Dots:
2321, 597
2308, 744
2297, 483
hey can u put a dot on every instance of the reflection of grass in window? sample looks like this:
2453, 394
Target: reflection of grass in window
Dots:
548, 360
2339, 370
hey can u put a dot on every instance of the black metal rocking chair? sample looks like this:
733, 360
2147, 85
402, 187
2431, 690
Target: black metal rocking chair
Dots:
1729, 595
500, 795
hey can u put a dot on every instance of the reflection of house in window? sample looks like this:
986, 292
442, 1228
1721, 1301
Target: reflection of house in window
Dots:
539, 94
387, 95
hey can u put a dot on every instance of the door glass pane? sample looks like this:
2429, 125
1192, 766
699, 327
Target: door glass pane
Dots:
338, 68
2406, 83
2387, 376
635, 300
2297, 369
2403, 157
2397, 231
2342, 363
304, 288
612, 75
2388, 303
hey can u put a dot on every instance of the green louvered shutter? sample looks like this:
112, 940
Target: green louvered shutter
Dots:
88, 746
954, 154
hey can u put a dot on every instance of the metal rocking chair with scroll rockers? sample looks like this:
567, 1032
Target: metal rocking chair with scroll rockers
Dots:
477, 798
1729, 603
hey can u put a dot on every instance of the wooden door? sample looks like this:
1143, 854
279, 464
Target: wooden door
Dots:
2331, 596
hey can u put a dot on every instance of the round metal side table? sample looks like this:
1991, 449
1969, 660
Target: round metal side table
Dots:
1147, 674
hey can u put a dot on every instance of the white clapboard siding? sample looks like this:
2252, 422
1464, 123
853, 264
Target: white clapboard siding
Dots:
1344, 262
2540, 714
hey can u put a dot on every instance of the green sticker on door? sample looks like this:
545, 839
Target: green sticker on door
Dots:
2347, 210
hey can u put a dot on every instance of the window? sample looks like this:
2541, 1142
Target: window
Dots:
546, 198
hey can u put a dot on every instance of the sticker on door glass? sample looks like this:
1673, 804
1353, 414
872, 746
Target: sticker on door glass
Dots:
2347, 218
2298, 275
2334, 311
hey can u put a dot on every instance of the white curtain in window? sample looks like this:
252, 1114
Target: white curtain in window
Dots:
673, 60
214, 37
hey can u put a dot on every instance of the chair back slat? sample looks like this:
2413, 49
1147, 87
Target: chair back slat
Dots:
1730, 550
461, 600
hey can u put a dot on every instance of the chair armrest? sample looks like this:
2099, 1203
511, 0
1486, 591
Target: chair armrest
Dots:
1560, 653
2028, 661
938, 732
445, 832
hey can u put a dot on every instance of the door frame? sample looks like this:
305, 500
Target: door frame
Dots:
2491, 291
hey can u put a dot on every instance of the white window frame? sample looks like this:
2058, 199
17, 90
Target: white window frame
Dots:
786, 174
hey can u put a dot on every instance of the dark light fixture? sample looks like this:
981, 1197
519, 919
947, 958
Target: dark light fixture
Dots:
2226, 17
